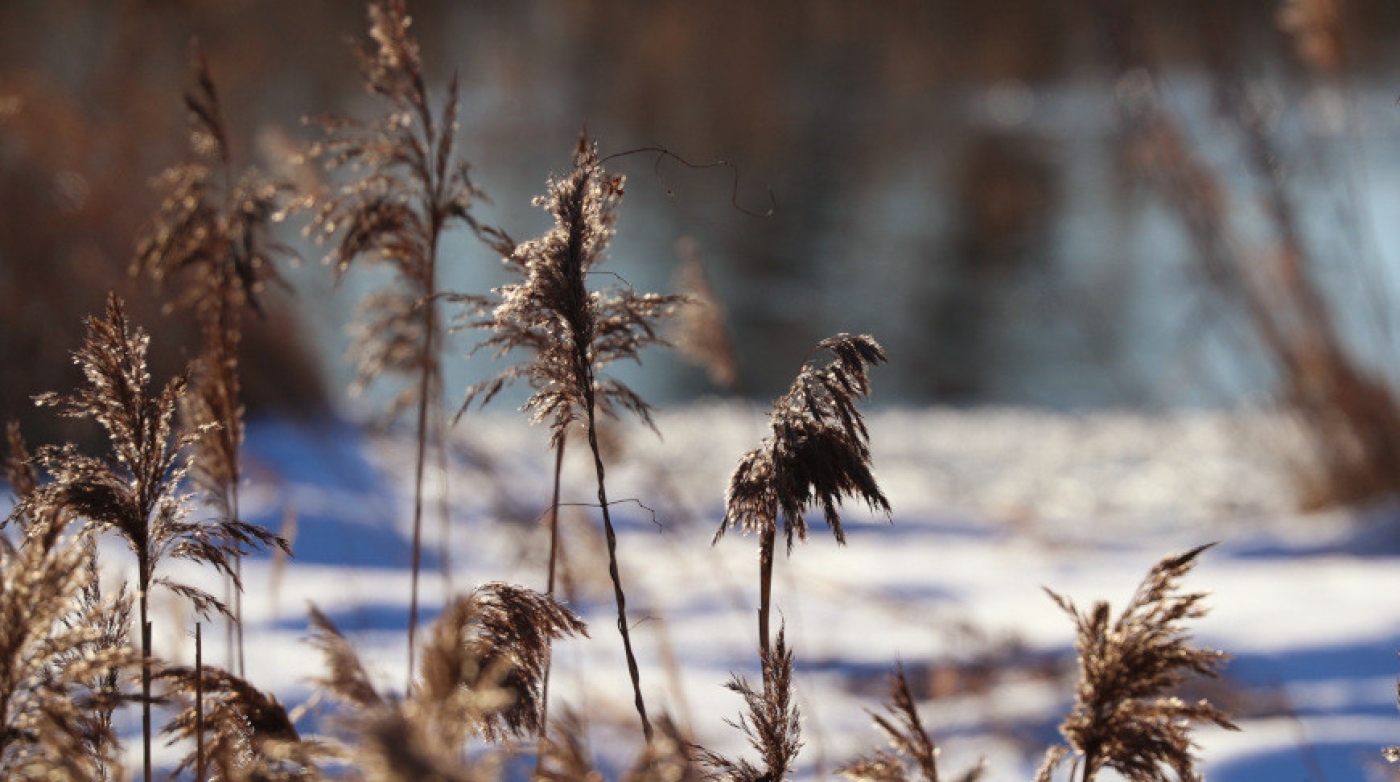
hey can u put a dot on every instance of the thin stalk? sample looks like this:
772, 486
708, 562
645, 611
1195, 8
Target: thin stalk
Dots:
613, 569
237, 588
145, 585
765, 587
425, 387
198, 702
549, 590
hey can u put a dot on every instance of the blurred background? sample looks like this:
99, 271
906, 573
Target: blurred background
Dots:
1080, 205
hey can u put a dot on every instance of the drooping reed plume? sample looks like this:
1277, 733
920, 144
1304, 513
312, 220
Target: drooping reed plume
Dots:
60, 654
914, 755
773, 724
1124, 717
571, 334
137, 490
405, 189
243, 732
482, 676
211, 237
817, 452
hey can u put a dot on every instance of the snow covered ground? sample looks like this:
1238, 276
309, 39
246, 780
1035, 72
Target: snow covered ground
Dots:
989, 507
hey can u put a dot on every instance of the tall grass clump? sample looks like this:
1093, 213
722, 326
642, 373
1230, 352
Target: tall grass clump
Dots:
211, 235
571, 333
1124, 717
138, 489
403, 189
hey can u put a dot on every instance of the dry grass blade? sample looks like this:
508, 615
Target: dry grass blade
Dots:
482, 669
1123, 717
346, 679
773, 724
565, 754
249, 734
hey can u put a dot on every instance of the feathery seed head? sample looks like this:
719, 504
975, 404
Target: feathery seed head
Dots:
817, 450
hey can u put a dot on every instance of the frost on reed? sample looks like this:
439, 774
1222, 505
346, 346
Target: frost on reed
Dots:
1123, 718
571, 333
404, 189
816, 453
773, 724
59, 656
482, 674
211, 234
137, 491
911, 744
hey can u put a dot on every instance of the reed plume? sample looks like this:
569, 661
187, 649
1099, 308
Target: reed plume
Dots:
482, 674
1123, 718
571, 335
773, 724
61, 646
137, 490
915, 756
816, 453
406, 188
211, 234
245, 733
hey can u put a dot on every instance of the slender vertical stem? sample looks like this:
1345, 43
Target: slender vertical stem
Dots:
549, 590
765, 587
145, 586
198, 702
237, 586
444, 503
613, 570
426, 387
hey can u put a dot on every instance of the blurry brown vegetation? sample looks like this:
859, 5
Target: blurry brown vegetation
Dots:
481, 692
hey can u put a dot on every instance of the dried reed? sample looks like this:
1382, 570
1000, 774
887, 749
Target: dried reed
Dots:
406, 189
60, 653
483, 668
1123, 718
211, 232
773, 724
137, 490
911, 743
572, 334
817, 451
